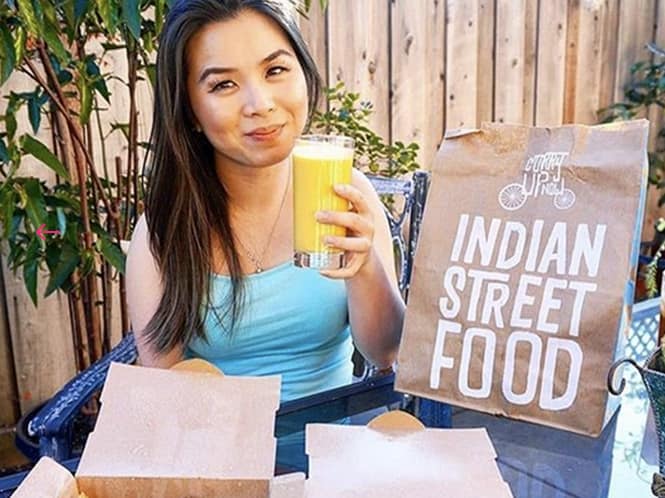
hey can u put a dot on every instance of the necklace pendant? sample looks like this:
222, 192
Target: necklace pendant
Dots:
258, 269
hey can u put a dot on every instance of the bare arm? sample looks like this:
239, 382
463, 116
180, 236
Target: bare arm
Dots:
144, 291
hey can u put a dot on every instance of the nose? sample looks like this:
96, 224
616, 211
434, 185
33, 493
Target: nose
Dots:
258, 100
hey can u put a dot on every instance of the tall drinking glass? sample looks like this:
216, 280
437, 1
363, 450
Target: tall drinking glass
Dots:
319, 162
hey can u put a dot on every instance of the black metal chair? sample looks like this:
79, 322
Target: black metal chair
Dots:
52, 425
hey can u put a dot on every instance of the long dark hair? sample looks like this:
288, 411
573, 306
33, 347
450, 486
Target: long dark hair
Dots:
185, 202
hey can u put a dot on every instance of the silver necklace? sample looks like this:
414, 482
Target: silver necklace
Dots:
257, 261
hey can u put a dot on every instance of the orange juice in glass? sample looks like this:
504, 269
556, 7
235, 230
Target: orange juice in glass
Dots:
319, 162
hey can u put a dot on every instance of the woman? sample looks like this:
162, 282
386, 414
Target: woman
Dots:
209, 270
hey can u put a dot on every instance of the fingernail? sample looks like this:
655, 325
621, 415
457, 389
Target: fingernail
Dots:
327, 239
321, 216
340, 188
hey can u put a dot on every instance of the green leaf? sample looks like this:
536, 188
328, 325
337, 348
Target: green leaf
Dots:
80, 10
28, 15
53, 39
41, 152
48, 10
151, 70
19, 44
107, 11
62, 220
4, 153
86, 101
34, 114
35, 206
88, 263
70, 17
159, 16
113, 254
67, 263
8, 54
30, 268
131, 15
8, 208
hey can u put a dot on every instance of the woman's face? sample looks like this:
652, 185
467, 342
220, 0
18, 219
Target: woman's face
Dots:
247, 89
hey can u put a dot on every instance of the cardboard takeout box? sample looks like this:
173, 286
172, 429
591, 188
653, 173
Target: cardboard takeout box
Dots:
395, 456
172, 433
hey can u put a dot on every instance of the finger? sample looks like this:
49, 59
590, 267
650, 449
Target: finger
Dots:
352, 265
353, 195
351, 244
347, 219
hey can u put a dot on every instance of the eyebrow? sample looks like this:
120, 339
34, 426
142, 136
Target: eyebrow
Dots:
222, 70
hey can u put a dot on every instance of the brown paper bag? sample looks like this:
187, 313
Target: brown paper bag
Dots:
523, 279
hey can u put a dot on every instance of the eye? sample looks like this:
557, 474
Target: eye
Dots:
277, 70
216, 86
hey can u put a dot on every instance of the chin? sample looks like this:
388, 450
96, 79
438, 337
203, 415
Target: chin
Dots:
277, 155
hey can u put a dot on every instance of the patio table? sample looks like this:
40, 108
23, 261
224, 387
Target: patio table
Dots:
536, 461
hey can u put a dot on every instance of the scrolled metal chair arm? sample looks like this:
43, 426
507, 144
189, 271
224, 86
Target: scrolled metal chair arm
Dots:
612, 374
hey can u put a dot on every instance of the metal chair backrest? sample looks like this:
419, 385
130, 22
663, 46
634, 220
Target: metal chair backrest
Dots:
414, 192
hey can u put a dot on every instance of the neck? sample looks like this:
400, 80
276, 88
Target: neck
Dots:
254, 189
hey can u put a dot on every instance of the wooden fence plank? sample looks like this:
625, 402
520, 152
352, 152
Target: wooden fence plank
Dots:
417, 75
509, 67
608, 54
632, 37
314, 33
587, 72
461, 64
530, 44
486, 69
551, 61
359, 55
9, 412
572, 37
656, 116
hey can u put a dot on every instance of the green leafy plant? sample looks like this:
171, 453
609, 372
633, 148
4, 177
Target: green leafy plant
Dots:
348, 115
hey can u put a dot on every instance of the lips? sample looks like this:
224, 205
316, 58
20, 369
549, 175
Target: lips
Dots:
265, 131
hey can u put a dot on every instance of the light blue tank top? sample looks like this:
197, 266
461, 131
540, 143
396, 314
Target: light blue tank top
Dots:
294, 323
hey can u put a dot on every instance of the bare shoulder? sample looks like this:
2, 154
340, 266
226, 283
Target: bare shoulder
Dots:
140, 260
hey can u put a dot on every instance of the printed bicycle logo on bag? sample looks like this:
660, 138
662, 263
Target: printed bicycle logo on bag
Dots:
541, 176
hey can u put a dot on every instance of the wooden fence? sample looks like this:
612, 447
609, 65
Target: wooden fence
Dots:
427, 66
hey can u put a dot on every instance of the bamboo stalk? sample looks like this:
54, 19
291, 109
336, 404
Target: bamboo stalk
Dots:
73, 324
132, 156
122, 286
79, 316
108, 306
